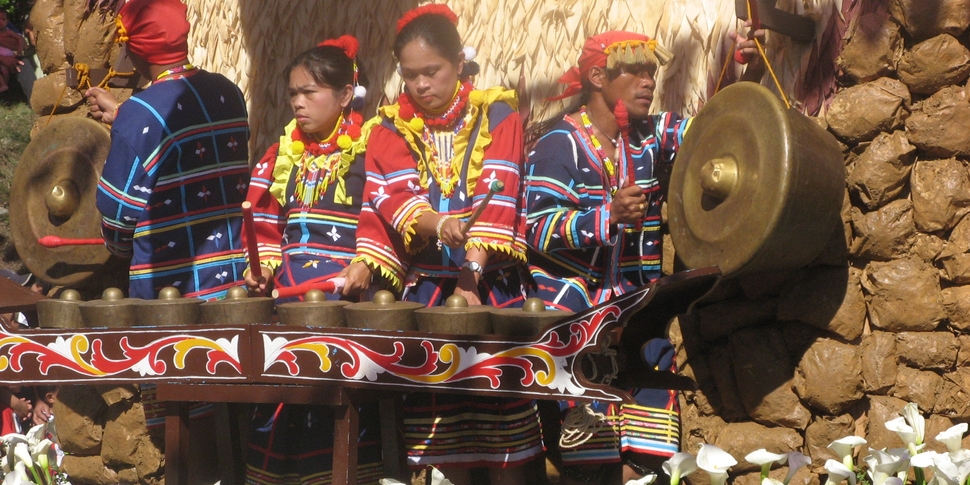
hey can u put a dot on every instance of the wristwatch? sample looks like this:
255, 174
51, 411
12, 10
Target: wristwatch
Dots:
474, 266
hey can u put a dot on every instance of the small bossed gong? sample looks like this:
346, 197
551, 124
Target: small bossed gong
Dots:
526, 321
113, 310
238, 309
382, 313
756, 186
314, 311
455, 317
170, 309
61, 312
53, 194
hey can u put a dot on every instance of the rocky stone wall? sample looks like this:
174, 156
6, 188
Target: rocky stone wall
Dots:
793, 361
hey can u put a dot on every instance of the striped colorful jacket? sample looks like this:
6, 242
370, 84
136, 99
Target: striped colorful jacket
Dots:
171, 189
304, 243
576, 257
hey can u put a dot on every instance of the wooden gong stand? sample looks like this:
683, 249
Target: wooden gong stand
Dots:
341, 367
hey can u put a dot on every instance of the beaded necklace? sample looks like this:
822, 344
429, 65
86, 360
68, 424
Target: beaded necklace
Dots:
447, 118
607, 162
177, 72
320, 159
438, 134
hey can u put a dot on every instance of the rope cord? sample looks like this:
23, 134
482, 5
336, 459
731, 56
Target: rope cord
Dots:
764, 56
580, 424
84, 83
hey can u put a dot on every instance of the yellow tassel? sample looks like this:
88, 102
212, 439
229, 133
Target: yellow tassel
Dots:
417, 124
297, 147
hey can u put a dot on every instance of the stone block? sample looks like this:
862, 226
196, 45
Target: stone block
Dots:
80, 420
923, 19
934, 126
881, 172
883, 234
872, 47
724, 317
860, 112
88, 470
739, 439
927, 350
722, 371
829, 298
829, 376
763, 372
918, 386
933, 64
115, 394
882, 409
955, 256
879, 362
903, 295
927, 247
822, 431
953, 399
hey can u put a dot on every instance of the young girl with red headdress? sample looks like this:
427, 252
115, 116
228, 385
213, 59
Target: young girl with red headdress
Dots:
430, 163
307, 192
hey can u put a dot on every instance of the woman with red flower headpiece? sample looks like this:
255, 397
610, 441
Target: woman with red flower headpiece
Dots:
430, 163
307, 192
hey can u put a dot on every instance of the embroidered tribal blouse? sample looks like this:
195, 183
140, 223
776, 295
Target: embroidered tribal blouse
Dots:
399, 188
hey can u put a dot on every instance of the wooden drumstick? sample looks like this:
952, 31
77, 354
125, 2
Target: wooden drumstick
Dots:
249, 226
332, 285
56, 242
495, 187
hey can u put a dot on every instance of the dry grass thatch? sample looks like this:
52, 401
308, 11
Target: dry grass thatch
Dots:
251, 41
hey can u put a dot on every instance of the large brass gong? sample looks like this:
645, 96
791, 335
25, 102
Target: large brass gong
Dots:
756, 186
53, 194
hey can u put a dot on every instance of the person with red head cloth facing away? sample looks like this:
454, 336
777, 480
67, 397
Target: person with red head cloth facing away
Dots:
594, 203
178, 168
430, 163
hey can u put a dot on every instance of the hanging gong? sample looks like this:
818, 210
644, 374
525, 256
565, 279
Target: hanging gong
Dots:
756, 187
53, 194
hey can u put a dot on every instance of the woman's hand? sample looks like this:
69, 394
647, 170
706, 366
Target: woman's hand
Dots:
258, 285
450, 234
358, 277
42, 413
21, 406
103, 104
629, 205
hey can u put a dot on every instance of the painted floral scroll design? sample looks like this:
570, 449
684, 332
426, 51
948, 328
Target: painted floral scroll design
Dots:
546, 362
88, 356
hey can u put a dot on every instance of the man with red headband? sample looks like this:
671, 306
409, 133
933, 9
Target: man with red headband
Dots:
594, 233
178, 168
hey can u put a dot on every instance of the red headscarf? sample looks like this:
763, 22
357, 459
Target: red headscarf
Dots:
155, 30
599, 48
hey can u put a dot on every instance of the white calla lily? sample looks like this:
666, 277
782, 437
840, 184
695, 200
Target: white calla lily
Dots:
764, 458
844, 448
924, 459
796, 461
770, 481
884, 464
950, 472
903, 430
438, 478
678, 466
18, 476
647, 479
838, 472
953, 437
716, 462
915, 421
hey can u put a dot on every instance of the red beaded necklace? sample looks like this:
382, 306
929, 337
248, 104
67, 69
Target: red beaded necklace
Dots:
447, 119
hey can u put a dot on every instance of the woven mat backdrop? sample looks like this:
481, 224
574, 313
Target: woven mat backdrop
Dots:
251, 41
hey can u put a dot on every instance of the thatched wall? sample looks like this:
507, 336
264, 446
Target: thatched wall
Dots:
251, 41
